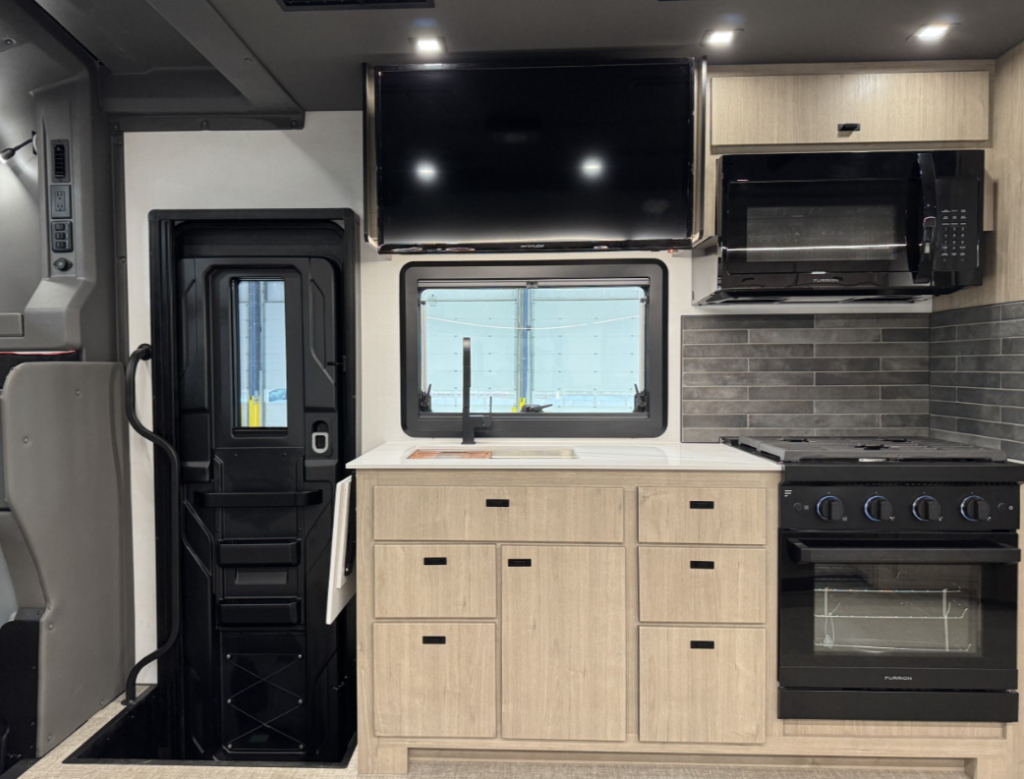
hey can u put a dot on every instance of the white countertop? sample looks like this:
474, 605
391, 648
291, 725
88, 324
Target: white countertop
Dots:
591, 455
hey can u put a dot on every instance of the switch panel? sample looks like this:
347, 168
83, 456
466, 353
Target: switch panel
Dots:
60, 236
60, 201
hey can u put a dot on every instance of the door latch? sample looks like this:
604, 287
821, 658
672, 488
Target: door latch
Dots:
321, 442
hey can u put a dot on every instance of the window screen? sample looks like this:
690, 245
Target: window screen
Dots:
262, 361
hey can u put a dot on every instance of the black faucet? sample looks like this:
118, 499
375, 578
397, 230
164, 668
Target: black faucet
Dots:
469, 427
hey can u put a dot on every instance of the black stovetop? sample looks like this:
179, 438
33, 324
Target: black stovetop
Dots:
795, 449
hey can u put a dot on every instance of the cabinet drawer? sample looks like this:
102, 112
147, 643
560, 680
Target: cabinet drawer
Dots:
889, 107
705, 584
434, 680
702, 515
420, 581
703, 685
560, 514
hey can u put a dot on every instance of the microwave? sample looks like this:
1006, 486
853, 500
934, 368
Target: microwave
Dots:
849, 226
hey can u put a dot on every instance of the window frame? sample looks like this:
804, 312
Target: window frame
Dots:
649, 424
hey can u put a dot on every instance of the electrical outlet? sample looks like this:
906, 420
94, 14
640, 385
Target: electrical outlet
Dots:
60, 201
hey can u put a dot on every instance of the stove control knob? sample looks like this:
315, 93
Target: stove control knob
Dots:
975, 509
831, 509
927, 509
878, 509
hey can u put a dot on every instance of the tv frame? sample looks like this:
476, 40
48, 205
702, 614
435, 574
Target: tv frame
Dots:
371, 171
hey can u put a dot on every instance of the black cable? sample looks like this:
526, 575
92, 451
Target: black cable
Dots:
145, 352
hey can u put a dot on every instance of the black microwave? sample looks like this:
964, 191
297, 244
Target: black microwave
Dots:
851, 226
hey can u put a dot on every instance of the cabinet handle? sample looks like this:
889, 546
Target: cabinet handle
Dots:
702, 504
705, 565
435, 561
497, 503
520, 562
702, 645
849, 127
435, 640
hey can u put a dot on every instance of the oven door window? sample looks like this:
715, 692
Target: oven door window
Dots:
898, 610
823, 226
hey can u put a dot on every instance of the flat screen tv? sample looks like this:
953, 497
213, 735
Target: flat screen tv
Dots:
531, 158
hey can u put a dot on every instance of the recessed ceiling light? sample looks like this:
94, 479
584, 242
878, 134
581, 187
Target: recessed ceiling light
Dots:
592, 167
718, 38
932, 32
426, 171
429, 45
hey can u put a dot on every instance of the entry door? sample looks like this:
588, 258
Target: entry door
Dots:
261, 430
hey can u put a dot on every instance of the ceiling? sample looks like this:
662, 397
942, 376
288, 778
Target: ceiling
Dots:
316, 56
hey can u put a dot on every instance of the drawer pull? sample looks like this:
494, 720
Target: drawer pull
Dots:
435, 561
497, 503
702, 504
520, 562
849, 127
435, 640
702, 645
704, 565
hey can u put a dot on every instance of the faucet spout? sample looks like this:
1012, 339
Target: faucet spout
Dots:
469, 426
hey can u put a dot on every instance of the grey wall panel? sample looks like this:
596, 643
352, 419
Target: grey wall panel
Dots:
66, 469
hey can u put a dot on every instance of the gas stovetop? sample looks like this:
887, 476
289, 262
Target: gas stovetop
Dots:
796, 449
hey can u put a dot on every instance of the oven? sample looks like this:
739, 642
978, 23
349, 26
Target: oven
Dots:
898, 626
870, 224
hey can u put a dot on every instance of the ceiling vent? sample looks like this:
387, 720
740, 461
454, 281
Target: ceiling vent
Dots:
352, 5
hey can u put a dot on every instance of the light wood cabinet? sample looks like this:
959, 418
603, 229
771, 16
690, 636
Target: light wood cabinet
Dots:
703, 685
434, 679
563, 643
435, 581
703, 584
542, 514
702, 515
893, 107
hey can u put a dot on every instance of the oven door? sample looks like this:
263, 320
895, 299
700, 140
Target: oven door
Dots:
934, 611
824, 221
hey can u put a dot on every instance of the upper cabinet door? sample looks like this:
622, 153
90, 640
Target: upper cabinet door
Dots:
564, 643
889, 107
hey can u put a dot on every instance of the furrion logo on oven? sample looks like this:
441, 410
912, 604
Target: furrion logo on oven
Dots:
899, 678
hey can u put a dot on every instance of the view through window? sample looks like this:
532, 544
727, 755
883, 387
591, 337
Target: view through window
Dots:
262, 360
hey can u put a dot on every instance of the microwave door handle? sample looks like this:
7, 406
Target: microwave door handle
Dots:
996, 554
929, 217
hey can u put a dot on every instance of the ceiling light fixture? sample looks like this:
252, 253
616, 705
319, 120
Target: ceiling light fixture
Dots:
429, 45
426, 171
932, 32
718, 37
8, 154
592, 168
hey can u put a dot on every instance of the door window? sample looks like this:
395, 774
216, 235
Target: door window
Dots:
261, 356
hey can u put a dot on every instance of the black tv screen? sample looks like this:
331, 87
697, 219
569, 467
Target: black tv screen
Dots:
532, 158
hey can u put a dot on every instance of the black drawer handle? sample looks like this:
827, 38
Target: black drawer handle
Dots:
435, 640
520, 562
702, 645
497, 503
435, 561
702, 504
849, 127
704, 565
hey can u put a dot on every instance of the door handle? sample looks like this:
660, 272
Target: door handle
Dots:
321, 442
497, 503
702, 645
704, 565
435, 561
520, 562
435, 639
702, 504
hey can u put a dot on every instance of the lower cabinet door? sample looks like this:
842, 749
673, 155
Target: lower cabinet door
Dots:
703, 685
563, 643
434, 679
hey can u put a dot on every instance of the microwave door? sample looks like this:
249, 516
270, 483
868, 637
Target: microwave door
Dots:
850, 232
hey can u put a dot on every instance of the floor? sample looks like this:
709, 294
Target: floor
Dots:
53, 767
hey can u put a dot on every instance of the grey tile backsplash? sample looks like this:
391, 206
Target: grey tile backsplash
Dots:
806, 374
977, 376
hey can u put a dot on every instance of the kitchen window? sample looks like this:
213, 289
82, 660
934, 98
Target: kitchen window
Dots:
572, 349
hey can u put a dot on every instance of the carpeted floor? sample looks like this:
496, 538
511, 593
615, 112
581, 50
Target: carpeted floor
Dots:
53, 767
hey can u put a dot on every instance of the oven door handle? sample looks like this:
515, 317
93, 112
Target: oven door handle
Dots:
997, 554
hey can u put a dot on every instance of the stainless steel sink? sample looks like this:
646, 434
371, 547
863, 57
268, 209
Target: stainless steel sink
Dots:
494, 453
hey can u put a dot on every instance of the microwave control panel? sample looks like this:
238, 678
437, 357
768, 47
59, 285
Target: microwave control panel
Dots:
900, 507
958, 228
